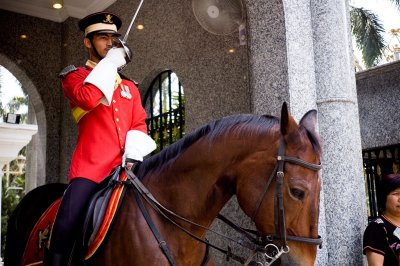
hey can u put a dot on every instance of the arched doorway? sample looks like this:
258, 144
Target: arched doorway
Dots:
36, 150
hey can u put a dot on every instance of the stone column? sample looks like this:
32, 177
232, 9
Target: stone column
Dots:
31, 155
302, 83
339, 128
267, 56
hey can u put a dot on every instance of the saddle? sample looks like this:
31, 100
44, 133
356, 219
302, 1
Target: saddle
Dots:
99, 218
101, 211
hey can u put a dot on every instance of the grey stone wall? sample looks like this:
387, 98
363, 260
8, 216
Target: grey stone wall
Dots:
379, 104
214, 81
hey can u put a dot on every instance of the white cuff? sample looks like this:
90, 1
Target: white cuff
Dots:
103, 76
138, 145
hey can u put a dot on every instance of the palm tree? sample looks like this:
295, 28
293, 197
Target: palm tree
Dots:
16, 103
368, 32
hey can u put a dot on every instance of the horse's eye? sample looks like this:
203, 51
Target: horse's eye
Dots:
297, 193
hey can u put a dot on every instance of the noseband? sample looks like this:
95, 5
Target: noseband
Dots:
279, 211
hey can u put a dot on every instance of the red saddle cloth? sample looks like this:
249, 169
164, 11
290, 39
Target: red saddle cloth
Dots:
40, 235
33, 254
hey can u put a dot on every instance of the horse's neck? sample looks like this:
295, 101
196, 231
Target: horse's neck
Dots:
196, 185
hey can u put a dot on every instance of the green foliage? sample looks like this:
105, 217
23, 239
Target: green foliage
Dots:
167, 123
13, 189
175, 131
15, 104
368, 32
396, 2
170, 126
11, 196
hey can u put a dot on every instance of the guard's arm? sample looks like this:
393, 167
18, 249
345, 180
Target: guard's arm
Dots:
85, 96
104, 75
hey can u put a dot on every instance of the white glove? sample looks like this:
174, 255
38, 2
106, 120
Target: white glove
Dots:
103, 76
137, 145
116, 56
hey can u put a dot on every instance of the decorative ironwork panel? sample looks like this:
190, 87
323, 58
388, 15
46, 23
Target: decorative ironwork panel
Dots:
164, 103
378, 162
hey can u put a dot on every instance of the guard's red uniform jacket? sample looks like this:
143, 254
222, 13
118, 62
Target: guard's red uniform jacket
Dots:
101, 129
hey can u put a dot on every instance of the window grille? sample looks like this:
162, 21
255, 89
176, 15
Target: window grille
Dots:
164, 103
378, 162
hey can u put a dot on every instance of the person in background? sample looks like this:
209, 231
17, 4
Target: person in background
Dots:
381, 243
111, 127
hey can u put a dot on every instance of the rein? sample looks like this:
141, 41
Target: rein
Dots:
166, 213
256, 243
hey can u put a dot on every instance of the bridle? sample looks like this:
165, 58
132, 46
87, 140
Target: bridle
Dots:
279, 211
259, 243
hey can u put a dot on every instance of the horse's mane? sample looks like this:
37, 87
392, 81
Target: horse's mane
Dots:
244, 124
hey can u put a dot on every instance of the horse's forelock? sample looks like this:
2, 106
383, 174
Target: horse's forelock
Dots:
242, 125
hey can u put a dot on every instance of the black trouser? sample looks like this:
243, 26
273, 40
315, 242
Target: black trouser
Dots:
70, 215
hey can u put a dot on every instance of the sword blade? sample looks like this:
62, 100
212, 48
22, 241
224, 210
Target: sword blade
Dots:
133, 20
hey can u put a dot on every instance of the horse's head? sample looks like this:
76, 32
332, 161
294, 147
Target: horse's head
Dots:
296, 151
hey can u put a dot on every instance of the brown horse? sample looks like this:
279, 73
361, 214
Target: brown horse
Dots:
270, 164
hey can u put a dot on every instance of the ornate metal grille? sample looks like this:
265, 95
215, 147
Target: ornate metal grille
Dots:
378, 162
164, 103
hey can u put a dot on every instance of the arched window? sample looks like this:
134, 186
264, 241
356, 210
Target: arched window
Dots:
164, 103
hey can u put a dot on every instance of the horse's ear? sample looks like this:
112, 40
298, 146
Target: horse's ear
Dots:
288, 124
309, 120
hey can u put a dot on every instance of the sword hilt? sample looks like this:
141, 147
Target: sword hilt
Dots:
128, 52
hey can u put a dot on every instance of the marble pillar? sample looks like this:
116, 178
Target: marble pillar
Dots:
343, 182
302, 83
267, 56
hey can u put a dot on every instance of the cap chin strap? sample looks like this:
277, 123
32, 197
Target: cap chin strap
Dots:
95, 50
